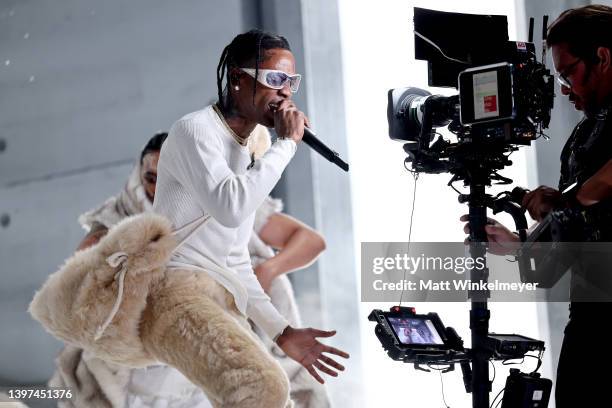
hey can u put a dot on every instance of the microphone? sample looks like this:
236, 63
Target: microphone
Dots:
311, 140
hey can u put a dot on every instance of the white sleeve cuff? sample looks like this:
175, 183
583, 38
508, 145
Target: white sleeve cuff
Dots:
288, 144
266, 317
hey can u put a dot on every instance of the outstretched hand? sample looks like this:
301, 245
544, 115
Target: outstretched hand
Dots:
302, 346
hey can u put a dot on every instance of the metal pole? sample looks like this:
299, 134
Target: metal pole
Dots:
479, 313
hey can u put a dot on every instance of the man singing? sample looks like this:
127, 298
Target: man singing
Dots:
205, 168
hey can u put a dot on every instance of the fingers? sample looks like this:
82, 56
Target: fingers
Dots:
466, 217
289, 121
306, 121
331, 362
467, 229
286, 104
325, 369
529, 197
493, 230
314, 374
333, 350
541, 201
323, 363
322, 333
531, 202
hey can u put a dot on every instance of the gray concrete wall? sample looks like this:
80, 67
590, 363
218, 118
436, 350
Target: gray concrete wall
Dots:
83, 85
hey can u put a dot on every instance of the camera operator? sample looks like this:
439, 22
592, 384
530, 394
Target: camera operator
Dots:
581, 43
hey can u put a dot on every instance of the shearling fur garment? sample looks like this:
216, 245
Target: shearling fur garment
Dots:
76, 300
180, 317
94, 383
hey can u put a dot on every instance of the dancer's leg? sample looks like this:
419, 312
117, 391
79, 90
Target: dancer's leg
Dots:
187, 324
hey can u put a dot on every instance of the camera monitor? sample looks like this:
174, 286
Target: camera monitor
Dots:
475, 39
486, 94
415, 331
418, 338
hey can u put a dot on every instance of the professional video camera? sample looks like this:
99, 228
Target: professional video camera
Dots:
505, 96
505, 101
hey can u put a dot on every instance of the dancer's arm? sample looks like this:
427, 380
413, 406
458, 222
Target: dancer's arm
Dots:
298, 245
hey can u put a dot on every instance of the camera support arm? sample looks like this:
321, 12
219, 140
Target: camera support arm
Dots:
479, 312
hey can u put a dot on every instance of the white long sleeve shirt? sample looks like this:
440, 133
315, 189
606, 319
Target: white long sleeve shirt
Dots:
203, 170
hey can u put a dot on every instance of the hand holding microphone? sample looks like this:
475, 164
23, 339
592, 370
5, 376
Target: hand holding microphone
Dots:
289, 121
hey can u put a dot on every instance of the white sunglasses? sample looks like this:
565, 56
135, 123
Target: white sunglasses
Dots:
275, 79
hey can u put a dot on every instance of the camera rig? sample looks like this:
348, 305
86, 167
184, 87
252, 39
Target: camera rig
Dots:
505, 100
424, 341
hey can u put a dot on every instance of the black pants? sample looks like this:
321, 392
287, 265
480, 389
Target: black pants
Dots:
584, 374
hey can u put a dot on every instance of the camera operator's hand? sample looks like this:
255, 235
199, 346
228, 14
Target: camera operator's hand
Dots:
502, 241
302, 346
541, 201
289, 121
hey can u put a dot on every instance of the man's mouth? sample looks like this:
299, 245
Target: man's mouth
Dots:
273, 106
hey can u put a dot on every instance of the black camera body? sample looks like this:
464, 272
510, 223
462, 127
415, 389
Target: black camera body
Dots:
505, 96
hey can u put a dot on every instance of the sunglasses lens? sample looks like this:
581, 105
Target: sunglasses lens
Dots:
294, 83
276, 79
563, 82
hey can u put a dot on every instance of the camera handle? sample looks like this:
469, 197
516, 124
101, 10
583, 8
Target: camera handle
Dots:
506, 202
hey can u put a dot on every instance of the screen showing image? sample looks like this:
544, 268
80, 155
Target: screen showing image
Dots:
415, 331
486, 95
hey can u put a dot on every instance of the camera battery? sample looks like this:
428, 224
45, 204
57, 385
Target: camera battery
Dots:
526, 390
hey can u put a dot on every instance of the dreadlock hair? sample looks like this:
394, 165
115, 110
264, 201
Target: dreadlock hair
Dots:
583, 29
245, 50
154, 144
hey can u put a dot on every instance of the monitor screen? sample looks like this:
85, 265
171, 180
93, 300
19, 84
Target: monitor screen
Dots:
414, 330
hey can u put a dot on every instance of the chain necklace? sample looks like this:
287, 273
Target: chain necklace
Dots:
242, 141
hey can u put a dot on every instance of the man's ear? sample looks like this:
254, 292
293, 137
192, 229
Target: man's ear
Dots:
604, 55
